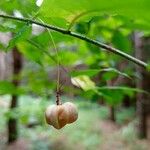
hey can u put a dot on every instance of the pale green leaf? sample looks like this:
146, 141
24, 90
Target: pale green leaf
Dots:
83, 82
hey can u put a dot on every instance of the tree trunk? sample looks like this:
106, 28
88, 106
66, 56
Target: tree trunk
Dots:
2, 66
126, 102
12, 122
140, 83
112, 115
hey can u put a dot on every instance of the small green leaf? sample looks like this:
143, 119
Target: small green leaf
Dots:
3, 28
148, 67
2, 46
112, 72
7, 27
30, 51
120, 41
6, 87
22, 35
82, 28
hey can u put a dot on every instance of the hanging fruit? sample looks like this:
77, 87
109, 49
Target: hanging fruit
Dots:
60, 115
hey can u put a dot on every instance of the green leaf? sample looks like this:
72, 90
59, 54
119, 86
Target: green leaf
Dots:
82, 27
24, 7
22, 35
4, 28
2, 46
67, 57
30, 51
68, 9
148, 67
111, 73
120, 41
122, 88
115, 94
6, 87
89, 72
112, 97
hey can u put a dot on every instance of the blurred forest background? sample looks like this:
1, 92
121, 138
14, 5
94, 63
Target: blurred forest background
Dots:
112, 94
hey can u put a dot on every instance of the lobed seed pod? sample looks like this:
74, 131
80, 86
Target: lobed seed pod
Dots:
56, 116
72, 112
60, 115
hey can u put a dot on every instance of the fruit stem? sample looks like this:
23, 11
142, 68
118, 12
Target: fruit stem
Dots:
58, 98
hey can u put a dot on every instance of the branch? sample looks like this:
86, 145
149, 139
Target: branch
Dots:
79, 36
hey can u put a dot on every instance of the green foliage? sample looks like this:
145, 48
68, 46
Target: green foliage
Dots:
111, 22
21, 6
7, 26
64, 57
123, 43
7, 87
82, 28
22, 35
107, 22
30, 51
2, 46
114, 95
148, 67
89, 72
111, 72
68, 9
39, 83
